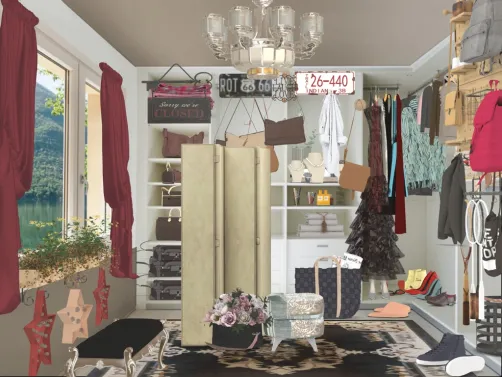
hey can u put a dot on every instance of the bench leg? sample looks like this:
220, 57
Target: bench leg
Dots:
162, 347
312, 343
130, 365
69, 369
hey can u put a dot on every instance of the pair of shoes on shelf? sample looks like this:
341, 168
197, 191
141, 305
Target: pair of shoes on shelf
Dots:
415, 279
443, 299
450, 352
431, 286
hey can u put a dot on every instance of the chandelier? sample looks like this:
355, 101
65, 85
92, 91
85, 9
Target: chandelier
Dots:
261, 42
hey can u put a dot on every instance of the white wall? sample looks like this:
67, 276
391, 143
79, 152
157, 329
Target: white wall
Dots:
62, 25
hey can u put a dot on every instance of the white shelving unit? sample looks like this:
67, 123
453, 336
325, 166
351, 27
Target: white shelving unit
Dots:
154, 209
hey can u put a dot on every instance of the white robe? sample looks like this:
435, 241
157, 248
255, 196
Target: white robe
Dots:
331, 133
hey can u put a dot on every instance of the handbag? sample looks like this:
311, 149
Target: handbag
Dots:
288, 131
172, 143
171, 175
339, 287
353, 176
169, 199
253, 140
453, 106
169, 228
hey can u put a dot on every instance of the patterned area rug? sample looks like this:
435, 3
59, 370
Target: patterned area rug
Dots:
348, 348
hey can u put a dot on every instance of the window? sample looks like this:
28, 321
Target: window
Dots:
67, 142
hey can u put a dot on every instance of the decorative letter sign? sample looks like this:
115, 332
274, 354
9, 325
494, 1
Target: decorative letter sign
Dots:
38, 332
101, 294
237, 85
326, 82
179, 110
75, 317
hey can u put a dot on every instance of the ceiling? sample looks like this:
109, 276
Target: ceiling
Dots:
357, 32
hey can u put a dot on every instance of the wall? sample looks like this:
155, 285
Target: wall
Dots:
59, 23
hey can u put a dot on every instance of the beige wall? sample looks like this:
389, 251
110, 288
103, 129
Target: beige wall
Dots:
14, 345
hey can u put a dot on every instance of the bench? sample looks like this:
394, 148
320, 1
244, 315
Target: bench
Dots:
120, 344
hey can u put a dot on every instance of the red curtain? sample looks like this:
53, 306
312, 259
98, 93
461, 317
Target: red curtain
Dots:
18, 77
116, 183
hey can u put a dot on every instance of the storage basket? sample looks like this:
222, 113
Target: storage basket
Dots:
489, 330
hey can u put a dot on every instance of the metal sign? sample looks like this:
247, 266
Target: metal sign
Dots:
343, 83
237, 85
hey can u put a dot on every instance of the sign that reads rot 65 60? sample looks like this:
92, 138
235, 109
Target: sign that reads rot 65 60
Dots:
179, 110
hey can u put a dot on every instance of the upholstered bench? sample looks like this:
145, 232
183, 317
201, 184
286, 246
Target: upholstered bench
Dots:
119, 344
295, 316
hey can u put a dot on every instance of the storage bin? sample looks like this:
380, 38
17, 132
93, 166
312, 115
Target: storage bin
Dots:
489, 330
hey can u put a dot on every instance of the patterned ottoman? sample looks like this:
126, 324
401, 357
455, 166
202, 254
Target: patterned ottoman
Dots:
295, 316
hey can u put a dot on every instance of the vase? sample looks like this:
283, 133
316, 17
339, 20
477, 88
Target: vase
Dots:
228, 337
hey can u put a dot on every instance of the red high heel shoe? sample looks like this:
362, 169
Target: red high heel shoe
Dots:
426, 284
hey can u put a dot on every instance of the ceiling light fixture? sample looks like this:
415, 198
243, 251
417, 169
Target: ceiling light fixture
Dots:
264, 47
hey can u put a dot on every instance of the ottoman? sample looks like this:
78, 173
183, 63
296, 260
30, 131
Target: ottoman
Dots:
295, 316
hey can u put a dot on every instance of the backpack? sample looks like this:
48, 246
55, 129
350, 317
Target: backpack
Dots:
486, 152
483, 37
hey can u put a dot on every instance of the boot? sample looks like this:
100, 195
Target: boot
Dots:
450, 347
463, 365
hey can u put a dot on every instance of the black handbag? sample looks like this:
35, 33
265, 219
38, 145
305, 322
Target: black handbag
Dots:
339, 287
165, 253
170, 198
169, 228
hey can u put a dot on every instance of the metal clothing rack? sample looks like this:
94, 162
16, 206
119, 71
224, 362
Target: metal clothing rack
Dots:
388, 87
428, 82
153, 84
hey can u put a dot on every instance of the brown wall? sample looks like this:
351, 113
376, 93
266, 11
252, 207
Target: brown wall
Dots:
14, 345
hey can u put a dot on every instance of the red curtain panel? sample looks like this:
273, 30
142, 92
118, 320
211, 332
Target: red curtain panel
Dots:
18, 77
116, 183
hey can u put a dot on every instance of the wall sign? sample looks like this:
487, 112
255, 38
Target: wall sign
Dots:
179, 110
326, 82
237, 85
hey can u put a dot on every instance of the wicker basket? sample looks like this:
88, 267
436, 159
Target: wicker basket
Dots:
489, 331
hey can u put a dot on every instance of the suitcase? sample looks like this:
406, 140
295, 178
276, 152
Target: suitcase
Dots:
165, 290
164, 269
167, 253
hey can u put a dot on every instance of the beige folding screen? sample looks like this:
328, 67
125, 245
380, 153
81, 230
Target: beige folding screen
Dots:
225, 229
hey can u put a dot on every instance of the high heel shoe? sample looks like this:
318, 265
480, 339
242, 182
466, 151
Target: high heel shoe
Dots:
434, 290
410, 280
424, 288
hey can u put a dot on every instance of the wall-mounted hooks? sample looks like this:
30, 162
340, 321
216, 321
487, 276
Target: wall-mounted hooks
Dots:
28, 300
75, 280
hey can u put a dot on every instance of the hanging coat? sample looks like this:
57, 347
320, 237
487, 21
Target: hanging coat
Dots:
331, 133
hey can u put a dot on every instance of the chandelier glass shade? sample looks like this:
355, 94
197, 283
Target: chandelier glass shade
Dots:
260, 42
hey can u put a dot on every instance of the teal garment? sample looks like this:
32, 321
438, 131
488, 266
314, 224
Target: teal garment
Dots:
392, 175
424, 163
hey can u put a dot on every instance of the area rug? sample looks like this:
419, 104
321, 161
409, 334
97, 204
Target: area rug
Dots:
348, 349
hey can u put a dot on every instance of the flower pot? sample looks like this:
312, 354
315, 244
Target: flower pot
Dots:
241, 338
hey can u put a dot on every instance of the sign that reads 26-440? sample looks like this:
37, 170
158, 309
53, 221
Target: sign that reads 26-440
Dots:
236, 85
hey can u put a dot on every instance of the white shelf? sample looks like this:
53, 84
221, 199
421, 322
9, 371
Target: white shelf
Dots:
160, 302
328, 184
181, 128
164, 243
296, 237
164, 278
321, 208
161, 207
174, 161
277, 208
163, 184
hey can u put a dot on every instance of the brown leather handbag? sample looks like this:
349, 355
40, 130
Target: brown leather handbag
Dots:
288, 131
171, 175
169, 197
172, 142
169, 228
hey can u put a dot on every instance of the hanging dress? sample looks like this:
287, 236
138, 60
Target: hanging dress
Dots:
387, 104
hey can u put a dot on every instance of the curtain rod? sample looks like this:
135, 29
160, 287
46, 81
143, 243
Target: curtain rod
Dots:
428, 82
388, 87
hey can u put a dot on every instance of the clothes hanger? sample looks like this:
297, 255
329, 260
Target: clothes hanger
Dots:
376, 95
386, 95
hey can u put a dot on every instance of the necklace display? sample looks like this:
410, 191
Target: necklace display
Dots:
315, 165
296, 169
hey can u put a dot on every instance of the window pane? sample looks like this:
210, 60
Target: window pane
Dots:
45, 200
94, 201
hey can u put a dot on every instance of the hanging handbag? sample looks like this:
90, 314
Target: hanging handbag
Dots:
171, 175
340, 287
353, 176
283, 132
170, 199
453, 106
171, 147
169, 228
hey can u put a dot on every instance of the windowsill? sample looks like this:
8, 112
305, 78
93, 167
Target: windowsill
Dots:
30, 279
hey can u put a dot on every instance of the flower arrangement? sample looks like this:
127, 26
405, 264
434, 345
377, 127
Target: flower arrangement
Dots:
67, 248
237, 310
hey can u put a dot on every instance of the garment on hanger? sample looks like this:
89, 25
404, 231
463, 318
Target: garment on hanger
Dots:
372, 236
383, 136
400, 181
452, 204
331, 133
387, 103
435, 110
419, 111
446, 133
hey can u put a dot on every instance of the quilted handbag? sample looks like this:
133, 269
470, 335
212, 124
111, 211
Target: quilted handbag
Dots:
340, 287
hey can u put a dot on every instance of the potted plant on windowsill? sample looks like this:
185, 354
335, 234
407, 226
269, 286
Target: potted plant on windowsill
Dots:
237, 319
64, 251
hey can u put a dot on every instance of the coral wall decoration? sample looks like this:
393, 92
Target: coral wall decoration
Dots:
38, 332
101, 294
75, 316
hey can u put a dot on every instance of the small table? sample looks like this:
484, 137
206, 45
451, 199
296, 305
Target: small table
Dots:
120, 344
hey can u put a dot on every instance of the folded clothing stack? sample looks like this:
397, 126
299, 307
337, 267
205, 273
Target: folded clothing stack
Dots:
185, 91
314, 226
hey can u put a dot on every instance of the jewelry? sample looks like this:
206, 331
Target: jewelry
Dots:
314, 165
299, 166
